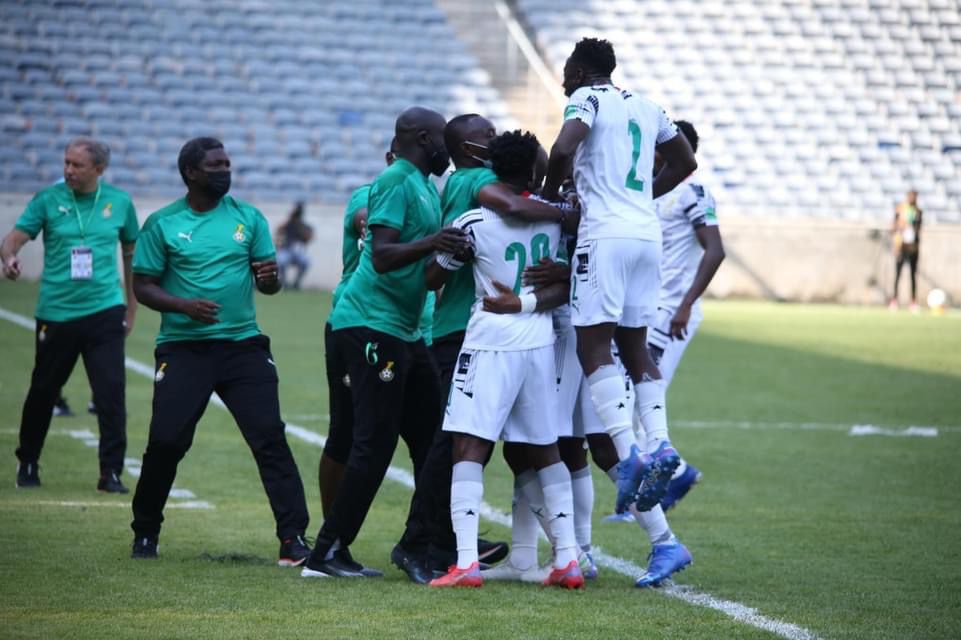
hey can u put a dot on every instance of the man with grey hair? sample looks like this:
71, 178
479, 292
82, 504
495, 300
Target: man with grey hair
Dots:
81, 310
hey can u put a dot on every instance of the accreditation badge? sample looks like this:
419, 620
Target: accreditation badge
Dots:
81, 263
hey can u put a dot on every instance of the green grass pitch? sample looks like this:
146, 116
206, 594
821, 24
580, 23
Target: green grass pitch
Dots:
843, 536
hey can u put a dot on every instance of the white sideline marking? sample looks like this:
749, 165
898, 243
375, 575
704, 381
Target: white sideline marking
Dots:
132, 465
871, 430
191, 504
807, 426
734, 610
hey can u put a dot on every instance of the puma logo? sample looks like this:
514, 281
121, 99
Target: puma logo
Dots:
186, 236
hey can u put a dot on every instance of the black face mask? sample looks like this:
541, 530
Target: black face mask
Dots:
218, 184
439, 160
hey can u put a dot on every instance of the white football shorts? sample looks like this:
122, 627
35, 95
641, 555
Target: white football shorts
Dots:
615, 280
665, 350
506, 395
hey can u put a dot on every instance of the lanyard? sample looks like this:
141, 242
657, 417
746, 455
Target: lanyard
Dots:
76, 208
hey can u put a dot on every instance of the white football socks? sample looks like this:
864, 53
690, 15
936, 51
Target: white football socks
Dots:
524, 524
651, 406
610, 402
559, 504
466, 493
655, 524
582, 486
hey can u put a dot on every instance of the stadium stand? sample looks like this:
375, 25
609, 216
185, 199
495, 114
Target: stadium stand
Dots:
304, 94
814, 107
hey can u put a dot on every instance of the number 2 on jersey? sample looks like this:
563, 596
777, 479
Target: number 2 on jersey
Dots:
632, 182
540, 248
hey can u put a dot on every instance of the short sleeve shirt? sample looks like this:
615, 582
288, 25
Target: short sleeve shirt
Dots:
71, 222
689, 206
460, 195
206, 255
353, 243
401, 198
502, 249
614, 164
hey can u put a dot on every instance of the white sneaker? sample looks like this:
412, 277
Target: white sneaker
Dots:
507, 571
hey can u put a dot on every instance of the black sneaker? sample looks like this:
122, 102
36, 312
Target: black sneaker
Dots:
491, 552
144, 548
412, 564
293, 552
343, 555
110, 483
333, 568
62, 409
28, 475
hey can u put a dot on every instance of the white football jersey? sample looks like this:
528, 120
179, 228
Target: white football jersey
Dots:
614, 164
687, 207
503, 248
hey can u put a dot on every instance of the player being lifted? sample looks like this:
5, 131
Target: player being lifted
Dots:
504, 377
692, 252
610, 136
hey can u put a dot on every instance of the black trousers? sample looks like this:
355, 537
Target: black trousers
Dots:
340, 434
99, 338
244, 376
396, 394
910, 256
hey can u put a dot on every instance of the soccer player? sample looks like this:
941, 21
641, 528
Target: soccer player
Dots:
198, 262
471, 185
504, 375
609, 136
393, 380
80, 311
692, 251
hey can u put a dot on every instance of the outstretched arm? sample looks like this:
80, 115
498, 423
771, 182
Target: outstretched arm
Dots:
710, 238
388, 254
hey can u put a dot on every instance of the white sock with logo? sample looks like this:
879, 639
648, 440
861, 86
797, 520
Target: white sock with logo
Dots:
610, 402
524, 526
530, 486
466, 493
655, 524
559, 503
651, 406
582, 486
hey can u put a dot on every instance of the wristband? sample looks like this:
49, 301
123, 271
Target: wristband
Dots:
528, 302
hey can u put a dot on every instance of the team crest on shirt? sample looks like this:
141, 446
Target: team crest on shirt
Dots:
239, 233
107, 210
387, 373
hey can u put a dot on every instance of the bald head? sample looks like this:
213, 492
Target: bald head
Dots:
419, 135
466, 138
414, 120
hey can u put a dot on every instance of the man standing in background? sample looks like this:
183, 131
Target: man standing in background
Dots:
81, 310
906, 230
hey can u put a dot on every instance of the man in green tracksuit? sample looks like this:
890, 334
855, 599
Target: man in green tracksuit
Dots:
198, 264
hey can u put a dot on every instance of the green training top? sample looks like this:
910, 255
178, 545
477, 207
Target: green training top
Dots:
401, 198
460, 195
91, 224
206, 255
352, 245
